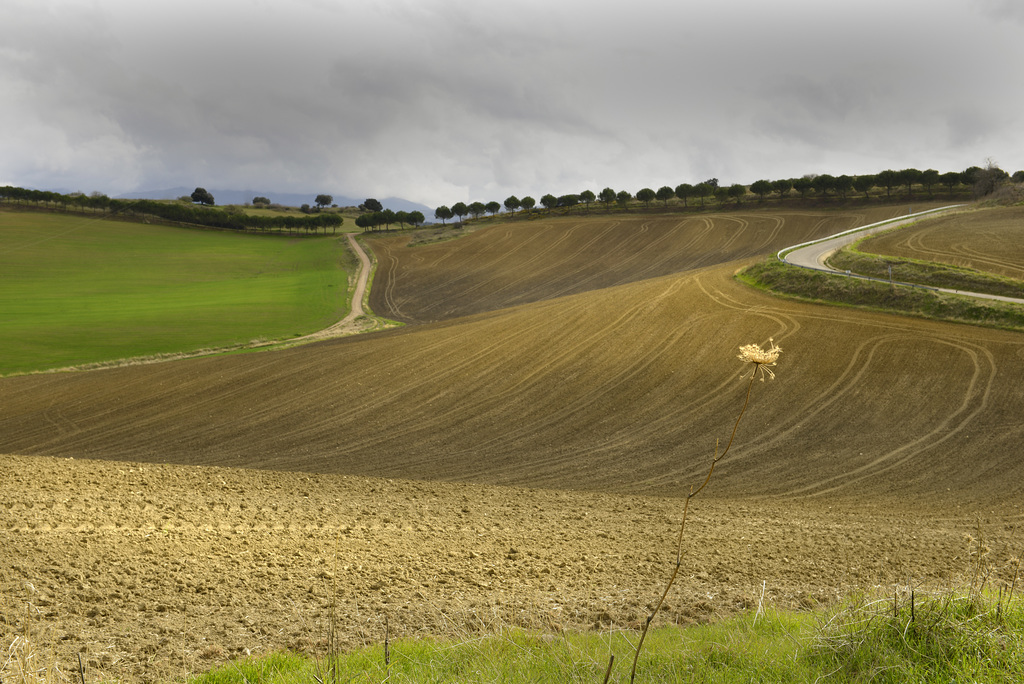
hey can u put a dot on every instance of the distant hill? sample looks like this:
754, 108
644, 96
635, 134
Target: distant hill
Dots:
291, 199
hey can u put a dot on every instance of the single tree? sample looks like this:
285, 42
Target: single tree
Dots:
623, 198
607, 198
443, 213
202, 196
568, 200
371, 205
864, 184
460, 209
401, 218
887, 179
416, 218
702, 190
782, 187
929, 179
324, 201
646, 195
665, 193
684, 191
909, 177
512, 203
528, 203
737, 192
493, 207
761, 188
587, 197
261, 201
477, 209
970, 175
549, 201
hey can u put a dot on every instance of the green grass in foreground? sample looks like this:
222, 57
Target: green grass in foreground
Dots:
950, 638
76, 290
816, 286
925, 273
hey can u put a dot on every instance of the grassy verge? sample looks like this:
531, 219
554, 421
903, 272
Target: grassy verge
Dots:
78, 290
801, 283
944, 638
925, 273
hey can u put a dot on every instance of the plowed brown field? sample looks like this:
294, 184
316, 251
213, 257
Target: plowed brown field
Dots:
531, 260
154, 571
882, 441
989, 240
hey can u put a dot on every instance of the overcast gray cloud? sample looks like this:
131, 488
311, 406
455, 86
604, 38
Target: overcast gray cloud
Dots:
446, 100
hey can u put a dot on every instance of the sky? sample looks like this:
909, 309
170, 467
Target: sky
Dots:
442, 101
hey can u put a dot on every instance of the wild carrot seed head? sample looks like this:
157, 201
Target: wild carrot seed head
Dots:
760, 358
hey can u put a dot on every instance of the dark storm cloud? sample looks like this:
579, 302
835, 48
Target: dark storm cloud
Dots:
448, 100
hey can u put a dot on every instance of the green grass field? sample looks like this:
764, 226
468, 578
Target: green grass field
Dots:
947, 638
76, 290
349, 216
793, 281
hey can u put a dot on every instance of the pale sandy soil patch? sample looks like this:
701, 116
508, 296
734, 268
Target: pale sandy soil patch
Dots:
154, 571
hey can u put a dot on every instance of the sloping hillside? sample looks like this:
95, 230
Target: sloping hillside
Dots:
625, 388
524, 261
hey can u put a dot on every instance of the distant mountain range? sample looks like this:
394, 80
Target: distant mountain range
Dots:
289, 199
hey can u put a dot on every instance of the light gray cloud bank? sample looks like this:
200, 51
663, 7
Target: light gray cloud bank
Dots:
448, 100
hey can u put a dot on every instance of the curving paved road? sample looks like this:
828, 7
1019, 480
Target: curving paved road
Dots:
813, 254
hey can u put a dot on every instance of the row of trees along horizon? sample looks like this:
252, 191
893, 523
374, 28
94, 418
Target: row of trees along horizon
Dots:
196, 209
978, 181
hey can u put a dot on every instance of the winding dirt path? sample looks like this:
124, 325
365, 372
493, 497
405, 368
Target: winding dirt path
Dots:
356, 320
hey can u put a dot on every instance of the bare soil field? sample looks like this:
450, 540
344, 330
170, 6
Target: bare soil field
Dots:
990, 240
623, 389
152, 572
519, 466
531, 260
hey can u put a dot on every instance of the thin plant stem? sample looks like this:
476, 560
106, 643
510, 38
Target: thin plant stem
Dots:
682, 527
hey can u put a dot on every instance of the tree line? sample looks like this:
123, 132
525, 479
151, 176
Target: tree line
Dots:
981, 182
377, 216
201, 213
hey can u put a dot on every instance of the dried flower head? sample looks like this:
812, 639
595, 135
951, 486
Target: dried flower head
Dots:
760, 358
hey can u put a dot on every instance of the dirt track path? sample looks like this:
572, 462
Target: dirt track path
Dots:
354, 322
